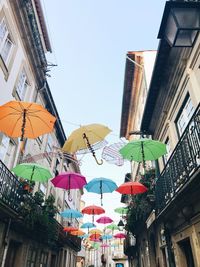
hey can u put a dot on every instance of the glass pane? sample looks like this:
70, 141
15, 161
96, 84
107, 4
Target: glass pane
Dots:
3, 30
22, 85
187, 18
6, 49
4, 147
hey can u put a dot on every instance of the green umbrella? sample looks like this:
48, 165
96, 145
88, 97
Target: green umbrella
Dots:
32, 172
143, 149
112, 227
121, 210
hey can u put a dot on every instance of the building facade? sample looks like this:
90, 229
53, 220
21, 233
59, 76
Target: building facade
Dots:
36, 240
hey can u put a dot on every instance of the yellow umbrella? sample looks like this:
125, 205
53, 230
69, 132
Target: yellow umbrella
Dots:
95, 231
86, 139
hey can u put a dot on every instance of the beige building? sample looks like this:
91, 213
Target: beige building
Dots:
170, 236
28, 237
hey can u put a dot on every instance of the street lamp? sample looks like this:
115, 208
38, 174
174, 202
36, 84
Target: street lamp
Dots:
180, 23
121, 225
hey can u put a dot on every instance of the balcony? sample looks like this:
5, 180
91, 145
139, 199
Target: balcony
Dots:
20, 205
182, 166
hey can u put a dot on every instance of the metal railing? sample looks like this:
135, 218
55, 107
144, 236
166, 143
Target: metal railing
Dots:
182, 164
10, 188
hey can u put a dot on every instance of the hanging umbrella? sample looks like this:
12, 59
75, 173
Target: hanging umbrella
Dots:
121, 210
93, 210
104, 220
86, 139
143, 149
120, 236
25, 120
71, 213
69, 229
106, 237
112, 227
88, 225
105, 245
69, 180
100, 186
132, 188
95, 231
77, 232
32, 172
111, 154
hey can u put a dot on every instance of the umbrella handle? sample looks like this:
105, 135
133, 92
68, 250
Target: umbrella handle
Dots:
91, 149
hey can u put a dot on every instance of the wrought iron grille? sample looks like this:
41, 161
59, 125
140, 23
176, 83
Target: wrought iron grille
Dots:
10, 188
182, 164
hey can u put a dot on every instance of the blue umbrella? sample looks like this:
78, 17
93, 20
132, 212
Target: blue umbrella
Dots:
70, 213
100, 186
88, 225
106, 237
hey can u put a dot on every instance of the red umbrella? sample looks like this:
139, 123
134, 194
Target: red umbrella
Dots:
120, 236
131, 188
95, 236
93, 210
104, 220
69, 180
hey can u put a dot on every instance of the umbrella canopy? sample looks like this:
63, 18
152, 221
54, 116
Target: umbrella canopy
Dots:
69, 229
95, 231
112, 227
71, 213
120, 235
143, 149
132, 188
106, 237
121, 210
100, 186
77, 232
86, 139
104, 220
93, 210
25, 120
88, 225
69, 180
84, 236
105, 245
32, 171
111, 154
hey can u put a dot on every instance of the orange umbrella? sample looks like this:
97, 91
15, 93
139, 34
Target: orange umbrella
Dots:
77, 232
25, 120
69, 229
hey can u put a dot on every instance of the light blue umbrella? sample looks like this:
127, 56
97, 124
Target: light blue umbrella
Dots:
88, 225
70, 213
106, 237
101, 186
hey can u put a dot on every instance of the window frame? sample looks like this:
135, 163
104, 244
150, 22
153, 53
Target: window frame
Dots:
24, 85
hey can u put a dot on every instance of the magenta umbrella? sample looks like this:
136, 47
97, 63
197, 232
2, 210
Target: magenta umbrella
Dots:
104, 220
68, 181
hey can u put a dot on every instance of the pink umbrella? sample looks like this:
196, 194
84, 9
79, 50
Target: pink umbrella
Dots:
104, 220
105, 245
69, 180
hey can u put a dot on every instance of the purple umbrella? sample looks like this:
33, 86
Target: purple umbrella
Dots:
69, 180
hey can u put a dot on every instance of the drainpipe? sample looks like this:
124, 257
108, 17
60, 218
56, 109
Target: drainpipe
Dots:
6, 244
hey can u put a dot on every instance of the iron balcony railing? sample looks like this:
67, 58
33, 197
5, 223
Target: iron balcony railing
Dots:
10, 188
182, 164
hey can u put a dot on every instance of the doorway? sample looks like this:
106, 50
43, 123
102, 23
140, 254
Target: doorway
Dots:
186, 254
53, 260
13, 254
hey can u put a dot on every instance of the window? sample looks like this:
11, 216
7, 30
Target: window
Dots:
168, 148
22, 85
185, 115
4, 147
31, 260
6, 43
49, 144
43, 188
